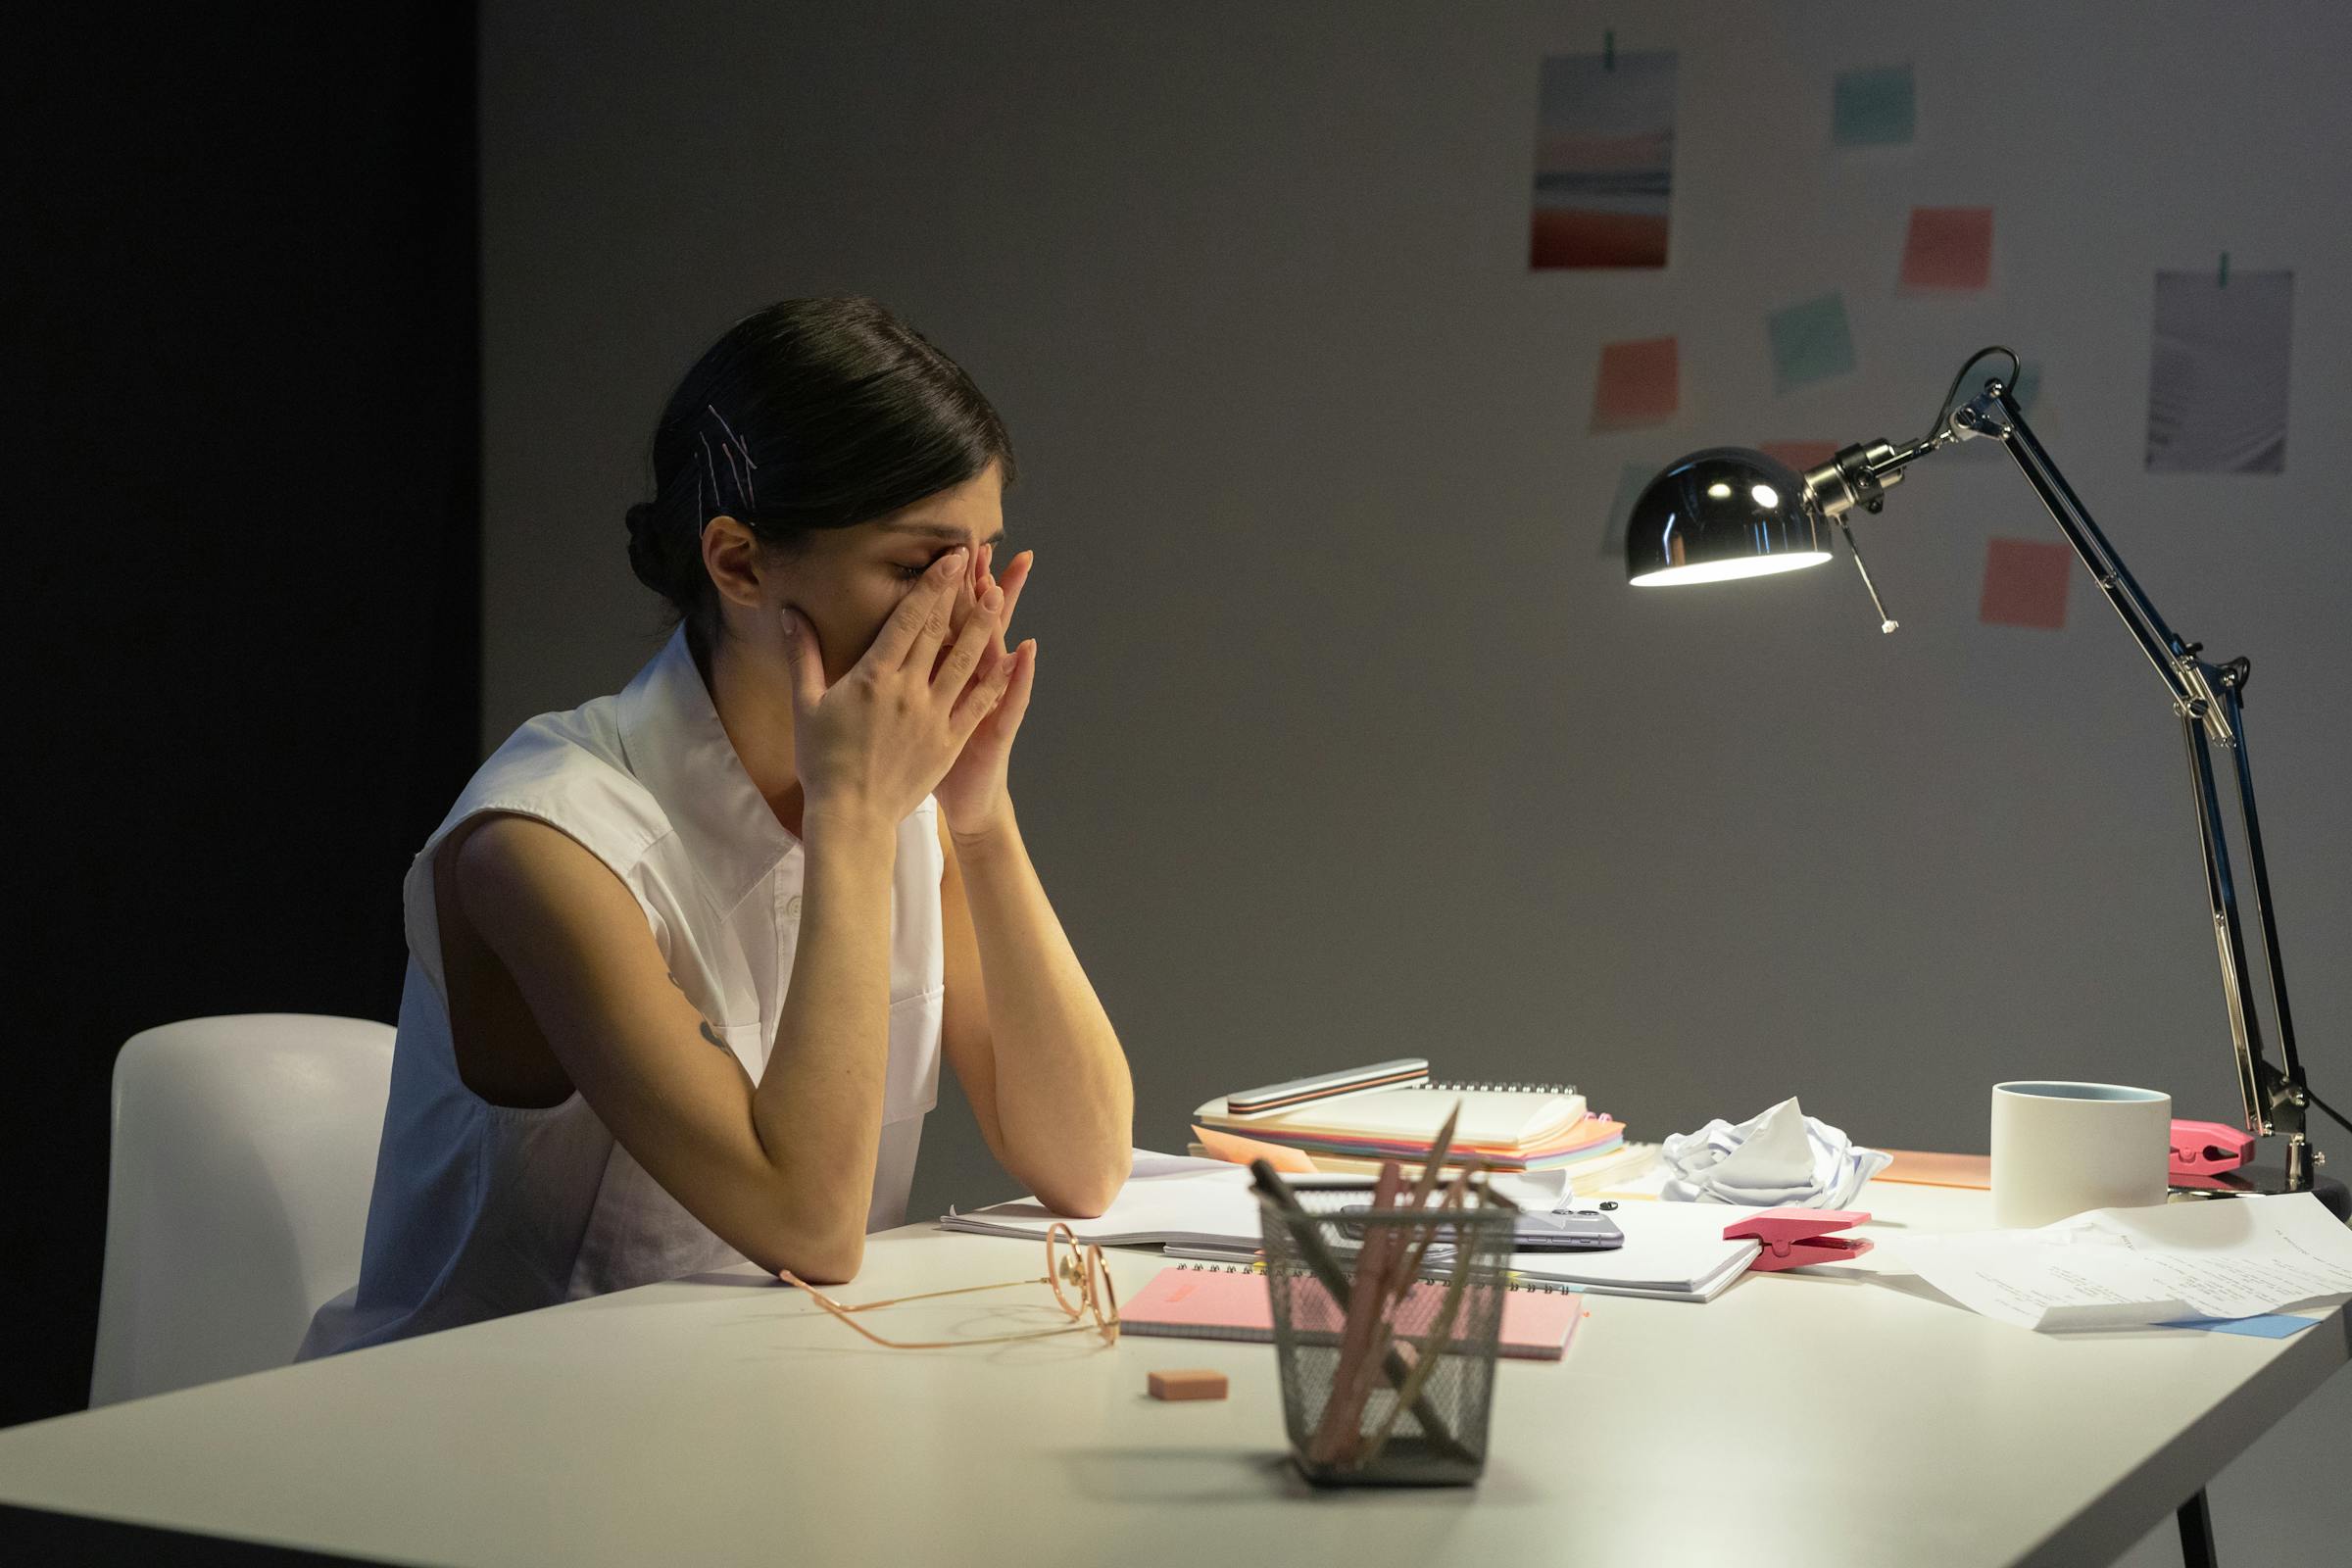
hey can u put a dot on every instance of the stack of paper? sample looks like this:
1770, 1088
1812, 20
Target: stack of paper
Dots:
1206, 1208
2224, 1258
1673, 1252
1166, 1198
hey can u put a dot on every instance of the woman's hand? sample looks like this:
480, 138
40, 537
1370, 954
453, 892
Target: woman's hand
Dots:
878, 740
972, 795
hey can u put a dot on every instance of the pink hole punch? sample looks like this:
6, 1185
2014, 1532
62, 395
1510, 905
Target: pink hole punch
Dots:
1795, 1237
2203, 1148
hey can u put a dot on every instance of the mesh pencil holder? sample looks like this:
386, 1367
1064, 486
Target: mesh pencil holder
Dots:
1419, 1364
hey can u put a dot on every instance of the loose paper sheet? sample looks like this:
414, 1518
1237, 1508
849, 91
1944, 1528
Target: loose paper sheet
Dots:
2217, 385
2132, 1268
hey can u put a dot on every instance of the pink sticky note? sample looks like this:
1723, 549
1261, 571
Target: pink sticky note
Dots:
2025, 583
1241, 1151
1639, 384
1800, 455
1949, 247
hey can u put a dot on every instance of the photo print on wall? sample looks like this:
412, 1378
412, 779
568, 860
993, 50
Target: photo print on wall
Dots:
1604, 160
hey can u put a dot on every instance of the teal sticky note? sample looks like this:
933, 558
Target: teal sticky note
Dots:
1810, 342
1872, 108
1632, 480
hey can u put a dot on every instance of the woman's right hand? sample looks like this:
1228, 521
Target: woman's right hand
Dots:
878, 740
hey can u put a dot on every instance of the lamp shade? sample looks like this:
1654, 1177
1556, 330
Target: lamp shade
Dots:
1723, 513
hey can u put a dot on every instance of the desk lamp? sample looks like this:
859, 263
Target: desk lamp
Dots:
1727, 512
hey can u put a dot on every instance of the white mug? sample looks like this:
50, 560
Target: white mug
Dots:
2059, 1148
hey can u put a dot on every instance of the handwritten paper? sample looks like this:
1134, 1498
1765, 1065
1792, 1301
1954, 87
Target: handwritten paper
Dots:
2217, 387
1948, 249
1638, 384
1810, 342
2235, 1257
1873, 107
2025, 583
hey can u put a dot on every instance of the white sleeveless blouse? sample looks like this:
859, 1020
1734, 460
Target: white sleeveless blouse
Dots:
480, 1209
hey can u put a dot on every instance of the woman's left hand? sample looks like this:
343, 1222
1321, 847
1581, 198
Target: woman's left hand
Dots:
973, 796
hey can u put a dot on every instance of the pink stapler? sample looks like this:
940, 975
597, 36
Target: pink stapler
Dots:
1795, 1237
2203, 1148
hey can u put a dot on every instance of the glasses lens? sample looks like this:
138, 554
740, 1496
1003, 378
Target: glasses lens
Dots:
1100, 1295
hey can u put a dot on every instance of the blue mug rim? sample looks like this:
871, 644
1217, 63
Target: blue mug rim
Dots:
2056, 1089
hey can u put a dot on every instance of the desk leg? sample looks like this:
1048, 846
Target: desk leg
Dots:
2196, 1533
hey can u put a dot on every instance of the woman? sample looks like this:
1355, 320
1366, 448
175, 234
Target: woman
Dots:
682, 961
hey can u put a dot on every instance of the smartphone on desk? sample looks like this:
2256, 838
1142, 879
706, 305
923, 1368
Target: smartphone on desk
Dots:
1576, 1231
1580, 1231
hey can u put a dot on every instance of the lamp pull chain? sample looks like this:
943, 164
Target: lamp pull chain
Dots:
1887, 623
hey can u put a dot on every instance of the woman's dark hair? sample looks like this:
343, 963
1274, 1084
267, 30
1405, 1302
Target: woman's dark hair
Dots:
811, 413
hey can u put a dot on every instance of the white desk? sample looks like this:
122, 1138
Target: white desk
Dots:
1813, 1419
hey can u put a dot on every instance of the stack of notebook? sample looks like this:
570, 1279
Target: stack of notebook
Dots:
1350, 1121
1207, 1302
1206, 1209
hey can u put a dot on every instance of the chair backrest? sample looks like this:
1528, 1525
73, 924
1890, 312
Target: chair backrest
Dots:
244, 1151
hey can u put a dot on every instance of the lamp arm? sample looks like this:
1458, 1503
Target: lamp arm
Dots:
2209, 700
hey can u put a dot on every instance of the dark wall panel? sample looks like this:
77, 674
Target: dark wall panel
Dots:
243, 569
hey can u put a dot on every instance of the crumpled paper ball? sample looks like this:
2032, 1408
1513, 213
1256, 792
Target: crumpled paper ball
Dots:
1781, 1158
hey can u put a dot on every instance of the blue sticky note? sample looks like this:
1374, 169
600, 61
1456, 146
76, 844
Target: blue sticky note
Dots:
1632, 480
1810, 342
1872, 108
2264, 1326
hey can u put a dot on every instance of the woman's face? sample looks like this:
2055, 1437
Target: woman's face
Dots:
848, 580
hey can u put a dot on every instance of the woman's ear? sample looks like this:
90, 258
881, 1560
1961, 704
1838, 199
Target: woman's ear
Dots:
731, 554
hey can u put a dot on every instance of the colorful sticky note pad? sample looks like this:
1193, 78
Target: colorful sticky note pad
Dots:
1872, 108
2025, 583
1639, 384
1810, 342
1800, 455
1948, 248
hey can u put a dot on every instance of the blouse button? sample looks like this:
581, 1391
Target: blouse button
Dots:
791, 908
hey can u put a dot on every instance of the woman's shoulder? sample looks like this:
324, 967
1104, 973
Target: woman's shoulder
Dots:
569, 768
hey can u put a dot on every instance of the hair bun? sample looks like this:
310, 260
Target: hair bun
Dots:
645, 547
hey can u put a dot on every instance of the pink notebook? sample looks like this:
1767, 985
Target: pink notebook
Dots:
1228, 1302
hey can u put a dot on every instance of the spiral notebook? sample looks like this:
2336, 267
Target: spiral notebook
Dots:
1229, 1301
1393, 1109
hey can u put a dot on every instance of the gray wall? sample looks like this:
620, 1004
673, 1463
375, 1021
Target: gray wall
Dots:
1347, 742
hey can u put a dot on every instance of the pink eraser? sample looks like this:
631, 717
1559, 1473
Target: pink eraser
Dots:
1193, 1384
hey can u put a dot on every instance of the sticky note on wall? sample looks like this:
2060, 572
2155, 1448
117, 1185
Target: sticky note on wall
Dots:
1640, 384
1872, 108
2025, 583
1799, 455
1810, 342
1949, 247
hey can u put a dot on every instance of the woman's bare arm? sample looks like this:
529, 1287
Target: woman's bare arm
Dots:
781, 1171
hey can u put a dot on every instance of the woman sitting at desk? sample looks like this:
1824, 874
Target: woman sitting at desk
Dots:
683, 961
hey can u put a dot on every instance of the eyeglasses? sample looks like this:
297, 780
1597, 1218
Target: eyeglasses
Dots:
1075, 1273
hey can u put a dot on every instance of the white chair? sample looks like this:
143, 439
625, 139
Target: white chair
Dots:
244, 1151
